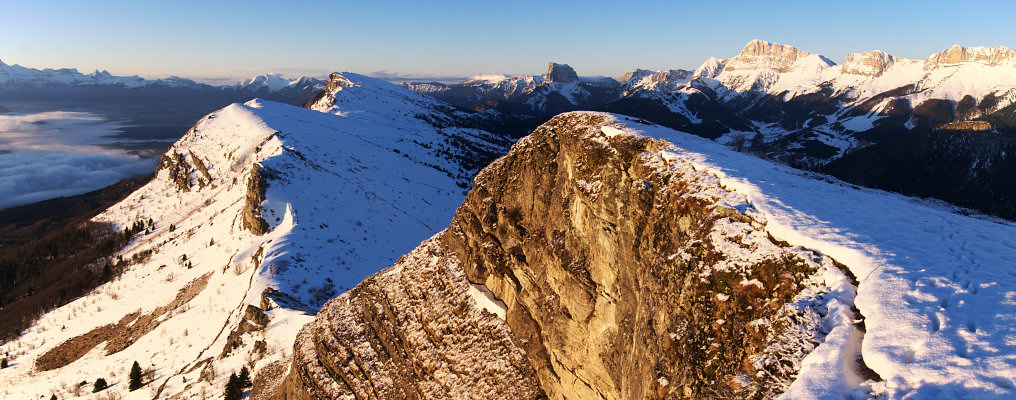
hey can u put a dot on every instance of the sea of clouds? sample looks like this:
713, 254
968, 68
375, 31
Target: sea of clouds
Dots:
53, 154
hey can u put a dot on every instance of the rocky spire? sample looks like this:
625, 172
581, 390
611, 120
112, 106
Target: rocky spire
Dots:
561, 73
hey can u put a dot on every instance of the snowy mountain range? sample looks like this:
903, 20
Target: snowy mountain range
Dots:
559, 90
12, 76
804, 110
797, 107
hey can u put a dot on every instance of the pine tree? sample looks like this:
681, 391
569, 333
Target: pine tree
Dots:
233, 389
134, 379
3, 363
100, 385
244, 378
53, 397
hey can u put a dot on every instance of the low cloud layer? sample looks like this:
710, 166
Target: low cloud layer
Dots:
53, 154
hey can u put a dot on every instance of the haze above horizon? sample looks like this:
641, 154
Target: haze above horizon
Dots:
221, 41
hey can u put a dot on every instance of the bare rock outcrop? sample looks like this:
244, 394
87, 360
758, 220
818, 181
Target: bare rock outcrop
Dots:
761, 54
409, 332
984, 55
561, 73
256, 185
873, 63
587, 263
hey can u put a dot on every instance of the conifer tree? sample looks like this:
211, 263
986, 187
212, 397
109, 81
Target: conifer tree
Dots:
100, 385
134, 379
233, 389
244, 378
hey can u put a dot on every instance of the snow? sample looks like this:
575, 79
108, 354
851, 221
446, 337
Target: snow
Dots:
861, 123
936, 287
611, 131
273, 82
486, 300
492, 79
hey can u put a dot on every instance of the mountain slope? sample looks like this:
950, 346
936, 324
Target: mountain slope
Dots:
551, 236
260, 213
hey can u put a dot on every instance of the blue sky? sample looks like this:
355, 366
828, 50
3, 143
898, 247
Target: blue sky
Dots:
224, 39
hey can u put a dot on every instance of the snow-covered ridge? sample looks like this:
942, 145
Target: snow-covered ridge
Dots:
277, 82
342, 194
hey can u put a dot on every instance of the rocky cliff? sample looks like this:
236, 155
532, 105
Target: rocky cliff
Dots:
957, 54
589, 262
560, 73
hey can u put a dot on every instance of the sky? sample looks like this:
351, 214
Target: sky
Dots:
230, 40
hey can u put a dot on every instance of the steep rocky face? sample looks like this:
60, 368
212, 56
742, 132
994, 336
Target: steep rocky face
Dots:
561, 73
612, 267
761, 54
983, 55
409, 332
872, 63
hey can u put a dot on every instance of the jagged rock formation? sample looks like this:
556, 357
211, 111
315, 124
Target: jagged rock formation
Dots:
599, 266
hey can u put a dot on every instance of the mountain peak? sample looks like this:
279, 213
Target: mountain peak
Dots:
982, 55
757, 48
761, 54
872, 63
561, 73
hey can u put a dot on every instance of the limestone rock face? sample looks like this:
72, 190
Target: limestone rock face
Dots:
761, 54
619, 270
561, 73
872, 63
409, 332
958, 54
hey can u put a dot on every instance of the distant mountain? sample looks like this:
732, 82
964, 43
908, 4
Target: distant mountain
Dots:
805, 110
16, 75
21, 84
796, 107
559, 90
